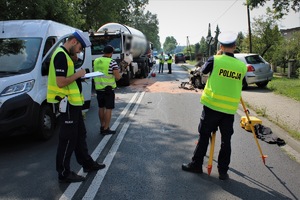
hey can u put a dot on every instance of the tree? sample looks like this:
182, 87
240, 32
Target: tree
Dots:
170, 44
85, 14
63, 11
288, 49
214, 46
280, 7
147, 23
239, 42
265, 35
203, 47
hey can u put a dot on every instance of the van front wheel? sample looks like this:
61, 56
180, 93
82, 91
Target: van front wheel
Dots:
46, 123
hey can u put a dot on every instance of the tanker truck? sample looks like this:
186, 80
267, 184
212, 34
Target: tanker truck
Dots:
132, 51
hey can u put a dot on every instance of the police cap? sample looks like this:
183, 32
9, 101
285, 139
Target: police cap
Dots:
84, 41
227, 39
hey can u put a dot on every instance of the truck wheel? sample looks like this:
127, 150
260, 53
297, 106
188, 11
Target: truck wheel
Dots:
144, 70
46, 123
126, 79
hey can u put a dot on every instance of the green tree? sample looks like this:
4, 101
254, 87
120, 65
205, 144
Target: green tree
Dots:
239, 42
147, 23
288, 49
197, 48
280, 7
214, 46
265, 35
203, 47
170, 44
63, 11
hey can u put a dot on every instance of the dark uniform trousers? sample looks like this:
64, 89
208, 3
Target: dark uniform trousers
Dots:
210, 120
72, 138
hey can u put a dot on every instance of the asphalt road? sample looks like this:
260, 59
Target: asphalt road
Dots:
156, 125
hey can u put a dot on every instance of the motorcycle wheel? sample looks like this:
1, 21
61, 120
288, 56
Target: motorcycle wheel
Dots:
198, 83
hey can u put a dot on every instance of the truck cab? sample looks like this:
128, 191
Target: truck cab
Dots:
130, 49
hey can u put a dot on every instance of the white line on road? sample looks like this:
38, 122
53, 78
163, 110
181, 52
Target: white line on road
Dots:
96, 183
73, 187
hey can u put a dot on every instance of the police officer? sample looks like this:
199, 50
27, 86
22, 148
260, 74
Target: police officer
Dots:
161, 63
220, 100
169, 61
105, 86
65, 82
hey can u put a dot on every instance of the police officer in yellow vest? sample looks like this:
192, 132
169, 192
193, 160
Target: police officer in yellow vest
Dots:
105, 86
169, 61
65, 83
220, 100
161, 63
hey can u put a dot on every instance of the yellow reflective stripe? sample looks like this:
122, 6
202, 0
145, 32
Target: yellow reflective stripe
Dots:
221, 97
220, 105
57, 89
108, 76
104, 84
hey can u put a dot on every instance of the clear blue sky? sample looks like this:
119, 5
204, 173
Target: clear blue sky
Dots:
182, 18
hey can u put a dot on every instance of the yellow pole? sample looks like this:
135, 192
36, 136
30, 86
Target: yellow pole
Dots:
253, 132
211, 152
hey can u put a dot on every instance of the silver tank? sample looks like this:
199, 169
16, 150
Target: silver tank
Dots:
139, 41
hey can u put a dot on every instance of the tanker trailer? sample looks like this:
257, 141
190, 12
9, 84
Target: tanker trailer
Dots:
131, 49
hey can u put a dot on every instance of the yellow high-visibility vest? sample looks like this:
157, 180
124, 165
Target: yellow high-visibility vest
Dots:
72, 91
223, 89
102, 65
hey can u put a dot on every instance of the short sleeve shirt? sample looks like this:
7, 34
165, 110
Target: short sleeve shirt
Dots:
61, 66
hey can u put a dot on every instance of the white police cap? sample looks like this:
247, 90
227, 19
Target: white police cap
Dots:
85, 41
227, 38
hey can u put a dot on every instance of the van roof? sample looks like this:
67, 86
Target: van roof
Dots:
33, 28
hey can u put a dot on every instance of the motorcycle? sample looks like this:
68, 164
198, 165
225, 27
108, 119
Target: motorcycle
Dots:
197, 78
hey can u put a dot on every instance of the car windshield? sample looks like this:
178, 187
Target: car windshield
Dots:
254, 59
99, 42
18, 55
179, 54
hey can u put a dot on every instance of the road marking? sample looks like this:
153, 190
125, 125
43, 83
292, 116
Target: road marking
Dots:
73, 187
96, 183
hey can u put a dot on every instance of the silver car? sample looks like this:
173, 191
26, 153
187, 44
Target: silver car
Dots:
259, 71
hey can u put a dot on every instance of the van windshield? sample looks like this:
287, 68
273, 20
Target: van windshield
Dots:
18, 55
100, 41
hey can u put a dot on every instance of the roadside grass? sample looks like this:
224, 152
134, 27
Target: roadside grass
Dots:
289, 87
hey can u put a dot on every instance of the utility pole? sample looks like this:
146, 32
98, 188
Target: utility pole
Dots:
249, 27
188, 47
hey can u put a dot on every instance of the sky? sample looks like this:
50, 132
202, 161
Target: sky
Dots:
187, 20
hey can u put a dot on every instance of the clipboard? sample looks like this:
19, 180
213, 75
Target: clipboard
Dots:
92, 74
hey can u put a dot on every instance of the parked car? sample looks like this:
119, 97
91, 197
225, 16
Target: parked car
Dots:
179, 57
259, 71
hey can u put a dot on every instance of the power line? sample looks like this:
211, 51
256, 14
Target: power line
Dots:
225, 12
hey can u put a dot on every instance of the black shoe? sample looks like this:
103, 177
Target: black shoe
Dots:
94, 167
192, 167
223, 176
101, 129
107, 132
71, 178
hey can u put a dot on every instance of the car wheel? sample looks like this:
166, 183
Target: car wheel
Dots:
245, 84
46, 124
262, 84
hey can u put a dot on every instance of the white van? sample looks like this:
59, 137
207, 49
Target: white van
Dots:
26, 47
